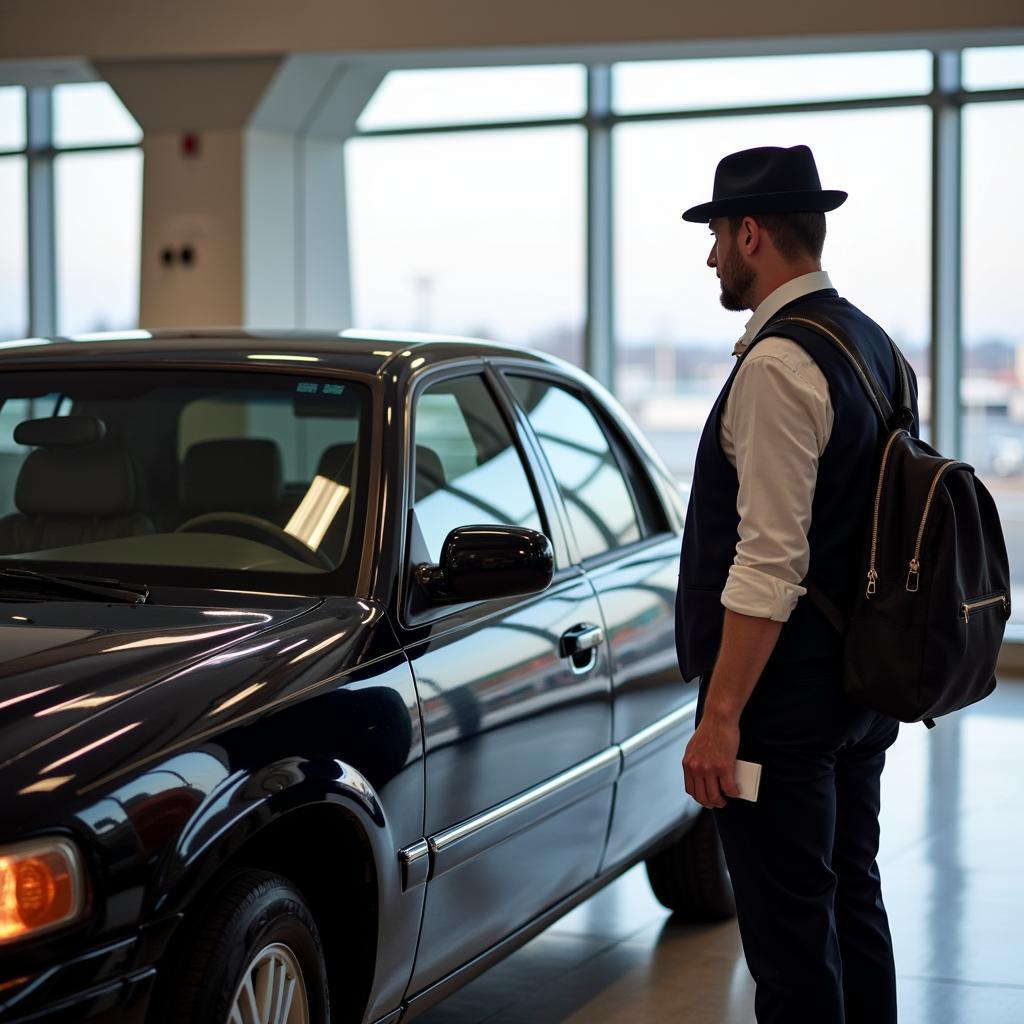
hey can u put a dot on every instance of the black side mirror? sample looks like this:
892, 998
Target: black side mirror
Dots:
481, 562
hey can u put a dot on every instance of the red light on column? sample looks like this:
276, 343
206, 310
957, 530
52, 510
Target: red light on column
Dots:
190, 144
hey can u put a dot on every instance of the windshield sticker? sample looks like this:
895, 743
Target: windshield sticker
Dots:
307, 387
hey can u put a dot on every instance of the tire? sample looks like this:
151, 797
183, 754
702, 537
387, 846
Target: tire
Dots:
256, 929
691, 878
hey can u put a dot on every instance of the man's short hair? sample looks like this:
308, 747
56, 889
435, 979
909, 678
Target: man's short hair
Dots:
795, 235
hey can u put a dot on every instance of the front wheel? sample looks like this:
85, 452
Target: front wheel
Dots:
691, 878
254, 957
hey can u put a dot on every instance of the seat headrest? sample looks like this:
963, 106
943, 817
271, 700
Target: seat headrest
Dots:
429, 472
235, 474
76, 483
336, 462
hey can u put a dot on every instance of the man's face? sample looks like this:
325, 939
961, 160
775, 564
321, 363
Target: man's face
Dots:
735, 275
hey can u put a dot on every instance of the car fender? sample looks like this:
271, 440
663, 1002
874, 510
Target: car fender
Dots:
239, 813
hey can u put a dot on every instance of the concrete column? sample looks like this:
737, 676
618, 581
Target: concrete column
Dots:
193, 116
243, 188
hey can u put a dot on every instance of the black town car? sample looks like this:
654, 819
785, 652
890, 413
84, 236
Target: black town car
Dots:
332, 669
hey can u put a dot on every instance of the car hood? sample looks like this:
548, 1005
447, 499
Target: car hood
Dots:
63, 663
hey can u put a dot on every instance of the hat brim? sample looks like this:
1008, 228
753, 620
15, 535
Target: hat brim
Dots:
810, 201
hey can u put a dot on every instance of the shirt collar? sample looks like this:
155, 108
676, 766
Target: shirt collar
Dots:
782, 296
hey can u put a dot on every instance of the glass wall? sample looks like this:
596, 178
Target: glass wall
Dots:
994, 67
475, 232
444, 238
90, 114
448, 96
992, 377
12, 118
674, 338
83, 147
670, 85
13, 209
13, 249
99, 220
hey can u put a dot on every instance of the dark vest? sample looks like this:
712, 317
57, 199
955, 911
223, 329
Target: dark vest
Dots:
840, 511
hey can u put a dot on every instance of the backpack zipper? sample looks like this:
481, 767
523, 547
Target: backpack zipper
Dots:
915, 563
872, 572
969, 606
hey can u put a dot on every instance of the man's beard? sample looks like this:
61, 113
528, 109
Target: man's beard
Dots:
736, 278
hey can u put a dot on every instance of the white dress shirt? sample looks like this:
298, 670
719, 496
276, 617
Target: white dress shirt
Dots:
775, 424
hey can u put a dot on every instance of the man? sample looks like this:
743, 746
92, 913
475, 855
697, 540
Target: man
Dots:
781, 495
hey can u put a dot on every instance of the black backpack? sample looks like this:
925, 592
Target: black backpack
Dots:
927, 619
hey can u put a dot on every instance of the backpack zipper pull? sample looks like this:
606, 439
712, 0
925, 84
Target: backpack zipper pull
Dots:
872, 572
912, 576
915, 565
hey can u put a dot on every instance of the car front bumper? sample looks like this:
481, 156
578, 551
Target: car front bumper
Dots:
112, 981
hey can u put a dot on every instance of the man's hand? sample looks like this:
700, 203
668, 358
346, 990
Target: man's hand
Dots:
709, 763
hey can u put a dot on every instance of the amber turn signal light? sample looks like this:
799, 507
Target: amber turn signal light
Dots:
42, 886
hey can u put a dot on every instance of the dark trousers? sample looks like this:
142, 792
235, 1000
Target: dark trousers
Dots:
802, 857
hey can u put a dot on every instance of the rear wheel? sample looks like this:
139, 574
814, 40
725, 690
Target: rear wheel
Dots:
254, 957
691, 878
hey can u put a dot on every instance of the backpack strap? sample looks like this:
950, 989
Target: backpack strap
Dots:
835, 618
900, 417
903, 414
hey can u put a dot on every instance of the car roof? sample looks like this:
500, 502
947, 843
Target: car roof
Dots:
360, 350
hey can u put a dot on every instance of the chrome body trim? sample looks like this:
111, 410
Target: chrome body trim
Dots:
410, 854
524, 799
416, 860
415, 863
656, 730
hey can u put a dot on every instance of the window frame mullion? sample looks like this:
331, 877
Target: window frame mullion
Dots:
42, 218
946, 253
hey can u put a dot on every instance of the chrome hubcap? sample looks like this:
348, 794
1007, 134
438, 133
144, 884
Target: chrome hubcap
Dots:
272, 990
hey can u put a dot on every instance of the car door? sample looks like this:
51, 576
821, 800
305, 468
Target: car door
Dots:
517, 729
627, 541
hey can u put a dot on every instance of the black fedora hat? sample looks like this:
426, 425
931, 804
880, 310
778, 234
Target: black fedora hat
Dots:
768, 179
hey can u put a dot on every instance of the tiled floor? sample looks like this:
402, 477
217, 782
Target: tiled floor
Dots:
952, 863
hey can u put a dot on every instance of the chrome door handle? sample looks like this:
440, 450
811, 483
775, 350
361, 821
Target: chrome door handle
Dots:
579, 639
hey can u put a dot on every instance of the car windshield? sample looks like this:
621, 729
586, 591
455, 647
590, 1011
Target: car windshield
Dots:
199, 477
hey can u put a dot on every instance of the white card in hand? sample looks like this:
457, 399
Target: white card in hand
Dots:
748, 778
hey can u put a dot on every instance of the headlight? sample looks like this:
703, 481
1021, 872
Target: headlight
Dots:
42, 886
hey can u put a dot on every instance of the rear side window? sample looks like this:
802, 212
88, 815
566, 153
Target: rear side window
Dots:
468, 471
600, 505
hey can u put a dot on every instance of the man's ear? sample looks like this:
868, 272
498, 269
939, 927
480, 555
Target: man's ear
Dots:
750, 232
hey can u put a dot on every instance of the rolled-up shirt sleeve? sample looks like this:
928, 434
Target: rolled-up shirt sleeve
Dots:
775, 425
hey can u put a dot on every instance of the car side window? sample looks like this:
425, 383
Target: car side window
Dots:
596, 495
467, 468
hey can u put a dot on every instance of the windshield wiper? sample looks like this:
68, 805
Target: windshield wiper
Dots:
28, 581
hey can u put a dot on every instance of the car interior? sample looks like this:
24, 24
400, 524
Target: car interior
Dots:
271, 467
